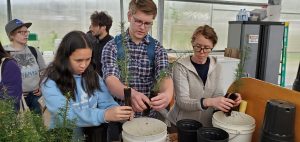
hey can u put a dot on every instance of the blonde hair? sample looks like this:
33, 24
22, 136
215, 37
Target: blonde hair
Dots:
146, 6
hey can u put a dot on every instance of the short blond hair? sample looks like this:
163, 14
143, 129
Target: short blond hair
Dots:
146, 6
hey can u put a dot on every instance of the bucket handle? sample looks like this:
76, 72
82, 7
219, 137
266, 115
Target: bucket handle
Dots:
237, 133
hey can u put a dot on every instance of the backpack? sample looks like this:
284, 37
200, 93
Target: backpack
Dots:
150, 49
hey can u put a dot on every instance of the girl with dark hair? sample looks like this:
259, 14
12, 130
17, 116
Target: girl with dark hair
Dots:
10, 77
71, 72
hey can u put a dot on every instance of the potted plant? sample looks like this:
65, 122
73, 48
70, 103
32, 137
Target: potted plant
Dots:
239, 73
123, 62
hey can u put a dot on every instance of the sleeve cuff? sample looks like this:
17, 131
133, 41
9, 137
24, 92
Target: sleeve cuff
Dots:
202, 105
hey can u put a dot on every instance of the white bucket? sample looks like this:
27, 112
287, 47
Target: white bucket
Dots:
239, 126
144, 130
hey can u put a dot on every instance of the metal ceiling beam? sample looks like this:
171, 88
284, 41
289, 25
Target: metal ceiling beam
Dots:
224, 2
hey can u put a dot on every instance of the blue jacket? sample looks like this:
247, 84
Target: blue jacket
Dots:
88, 111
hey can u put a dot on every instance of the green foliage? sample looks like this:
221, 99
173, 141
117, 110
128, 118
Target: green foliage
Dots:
63, 131
240, 71
29, 127
123, 63
163, 74
19, 127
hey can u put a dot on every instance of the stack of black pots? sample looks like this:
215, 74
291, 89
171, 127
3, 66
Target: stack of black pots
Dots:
192, 131
279, 120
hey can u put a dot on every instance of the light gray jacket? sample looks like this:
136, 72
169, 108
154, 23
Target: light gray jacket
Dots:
189, 89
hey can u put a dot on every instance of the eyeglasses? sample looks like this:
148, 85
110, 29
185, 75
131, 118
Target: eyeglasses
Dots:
139, 22
199, 48
23, 32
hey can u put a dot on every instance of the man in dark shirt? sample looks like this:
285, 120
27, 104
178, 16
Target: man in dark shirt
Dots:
101, 23
98, 35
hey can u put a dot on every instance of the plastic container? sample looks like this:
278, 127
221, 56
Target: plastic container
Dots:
239, 126
239, 15
212, 134
144, 129
279, 121
187, 130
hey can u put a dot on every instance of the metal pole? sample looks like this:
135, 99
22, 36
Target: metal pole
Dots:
122, 11
9, 14
283, 56
160, 20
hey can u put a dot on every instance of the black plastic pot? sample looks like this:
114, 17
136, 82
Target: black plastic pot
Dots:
187, 130
212, 134
127, 96
279, 122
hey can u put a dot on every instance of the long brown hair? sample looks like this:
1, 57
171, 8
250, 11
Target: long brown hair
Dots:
60, 70
3, 53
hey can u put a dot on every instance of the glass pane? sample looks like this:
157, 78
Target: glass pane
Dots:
180, 20
3, 21
52, 19
290, 6
293, 55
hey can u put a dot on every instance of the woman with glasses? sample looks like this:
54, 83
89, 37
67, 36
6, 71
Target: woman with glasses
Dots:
29, 59
197, 81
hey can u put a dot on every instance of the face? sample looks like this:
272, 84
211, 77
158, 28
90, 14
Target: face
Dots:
20, 35
96, 29
202, 47
140, 24
80, 60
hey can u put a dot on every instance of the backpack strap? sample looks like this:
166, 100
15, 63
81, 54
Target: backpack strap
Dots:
2, 64
120, 50
34, 52
150, 49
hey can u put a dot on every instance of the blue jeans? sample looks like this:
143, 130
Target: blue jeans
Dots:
32, 102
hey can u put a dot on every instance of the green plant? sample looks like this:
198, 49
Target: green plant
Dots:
240, 70
163, 74
63, 131
19, 127
27, 126
123, 63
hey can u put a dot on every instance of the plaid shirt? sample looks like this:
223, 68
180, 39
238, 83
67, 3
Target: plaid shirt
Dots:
141, 73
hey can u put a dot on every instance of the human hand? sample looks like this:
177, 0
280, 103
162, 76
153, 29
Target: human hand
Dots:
118, 113
138, 101
238, 99
160, 101
37, 92
221, 103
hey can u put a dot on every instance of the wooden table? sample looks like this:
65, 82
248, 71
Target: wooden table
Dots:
257, 93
